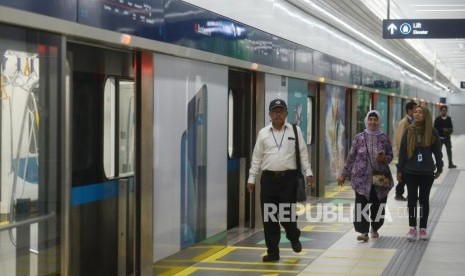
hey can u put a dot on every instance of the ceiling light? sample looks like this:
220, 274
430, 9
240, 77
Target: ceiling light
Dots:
379, 8
453, 10
360, 34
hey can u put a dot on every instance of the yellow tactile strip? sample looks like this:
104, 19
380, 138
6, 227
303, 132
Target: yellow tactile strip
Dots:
334, 261
339, 191
238, 259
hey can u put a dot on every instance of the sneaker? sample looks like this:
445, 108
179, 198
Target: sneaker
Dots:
363, 237
452, 166
412, 234
423, 234
374, 234
400, 198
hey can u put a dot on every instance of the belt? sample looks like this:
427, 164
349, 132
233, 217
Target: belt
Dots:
279, 173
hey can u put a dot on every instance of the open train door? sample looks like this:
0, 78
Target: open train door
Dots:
241, 122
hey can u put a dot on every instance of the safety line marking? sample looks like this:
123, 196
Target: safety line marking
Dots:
191, 270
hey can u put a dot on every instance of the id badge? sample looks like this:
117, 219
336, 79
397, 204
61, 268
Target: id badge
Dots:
420, 157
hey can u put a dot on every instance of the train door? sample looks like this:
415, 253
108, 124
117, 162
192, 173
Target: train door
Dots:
102, 190
240, 208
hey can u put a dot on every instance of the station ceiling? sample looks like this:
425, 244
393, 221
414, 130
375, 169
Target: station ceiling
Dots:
441, 59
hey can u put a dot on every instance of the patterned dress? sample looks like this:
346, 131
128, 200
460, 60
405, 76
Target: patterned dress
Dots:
358, 168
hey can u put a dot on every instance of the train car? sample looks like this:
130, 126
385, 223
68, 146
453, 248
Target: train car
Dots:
128, 126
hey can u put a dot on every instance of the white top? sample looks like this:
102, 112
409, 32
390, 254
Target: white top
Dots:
275, 151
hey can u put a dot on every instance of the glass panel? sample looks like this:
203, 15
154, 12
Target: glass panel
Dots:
30, 164
109, 128
383, 110
20, 127
363, 106
126, 127
336, 134
125, 111
230, 124
309, 120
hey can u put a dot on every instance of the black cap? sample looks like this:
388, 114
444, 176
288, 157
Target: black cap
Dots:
278, 103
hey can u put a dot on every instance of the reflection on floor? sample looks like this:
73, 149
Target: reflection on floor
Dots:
244, 255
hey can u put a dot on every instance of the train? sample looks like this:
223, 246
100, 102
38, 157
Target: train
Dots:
128, 126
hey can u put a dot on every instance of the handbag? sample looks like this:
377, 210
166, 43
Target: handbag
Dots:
378, 178
301, 192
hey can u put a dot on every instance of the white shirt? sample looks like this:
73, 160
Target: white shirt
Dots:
275, 151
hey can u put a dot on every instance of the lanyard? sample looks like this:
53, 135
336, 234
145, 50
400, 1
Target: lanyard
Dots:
276, 142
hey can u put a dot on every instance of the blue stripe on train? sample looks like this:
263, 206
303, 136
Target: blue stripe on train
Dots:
93, 192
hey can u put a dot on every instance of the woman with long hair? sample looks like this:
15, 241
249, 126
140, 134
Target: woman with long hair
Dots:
417, 168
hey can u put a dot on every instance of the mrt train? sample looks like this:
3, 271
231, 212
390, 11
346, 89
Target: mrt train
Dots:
128, 126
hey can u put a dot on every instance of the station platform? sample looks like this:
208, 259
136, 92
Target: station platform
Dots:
330, 246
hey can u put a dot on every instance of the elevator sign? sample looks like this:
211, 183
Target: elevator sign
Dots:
423, 28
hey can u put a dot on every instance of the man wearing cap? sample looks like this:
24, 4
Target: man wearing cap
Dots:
274, 156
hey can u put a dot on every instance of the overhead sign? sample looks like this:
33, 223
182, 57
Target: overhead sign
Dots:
423, 28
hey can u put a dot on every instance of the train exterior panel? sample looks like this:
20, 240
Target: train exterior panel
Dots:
190, 153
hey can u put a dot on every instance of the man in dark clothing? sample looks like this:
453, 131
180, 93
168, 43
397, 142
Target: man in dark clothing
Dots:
443, 124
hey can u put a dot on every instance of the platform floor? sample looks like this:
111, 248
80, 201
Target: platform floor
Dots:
331, 248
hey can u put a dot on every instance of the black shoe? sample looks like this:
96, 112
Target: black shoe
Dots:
363, 237
452, 166
270, 258
296, 246
400, 198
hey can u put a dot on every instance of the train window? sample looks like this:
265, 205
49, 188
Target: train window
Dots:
126, 128
109, 125
309, 120
230, 123
118, 136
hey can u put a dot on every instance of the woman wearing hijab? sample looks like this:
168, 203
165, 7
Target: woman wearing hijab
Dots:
417, 168
371, 151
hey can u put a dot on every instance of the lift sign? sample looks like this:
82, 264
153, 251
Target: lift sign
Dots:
423, 28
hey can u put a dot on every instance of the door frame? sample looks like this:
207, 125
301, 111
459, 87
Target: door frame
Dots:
144, 161
123, 182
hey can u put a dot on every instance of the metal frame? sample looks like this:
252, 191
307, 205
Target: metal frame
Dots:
66, 164
144, 110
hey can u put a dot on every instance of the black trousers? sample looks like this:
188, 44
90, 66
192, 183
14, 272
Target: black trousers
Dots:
278, 198
361, 221
448, 144
419, 188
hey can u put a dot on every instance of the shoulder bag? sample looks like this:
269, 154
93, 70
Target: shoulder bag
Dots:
301, 193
